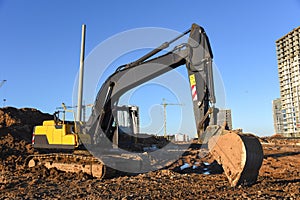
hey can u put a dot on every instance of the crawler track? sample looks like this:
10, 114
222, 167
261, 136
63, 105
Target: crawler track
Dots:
72, 163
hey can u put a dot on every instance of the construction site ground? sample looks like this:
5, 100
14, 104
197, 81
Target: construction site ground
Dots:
279, 176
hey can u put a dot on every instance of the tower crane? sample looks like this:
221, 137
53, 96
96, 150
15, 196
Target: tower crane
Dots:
1, 84
165, 104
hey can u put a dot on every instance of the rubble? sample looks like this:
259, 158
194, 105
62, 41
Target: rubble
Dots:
20, 122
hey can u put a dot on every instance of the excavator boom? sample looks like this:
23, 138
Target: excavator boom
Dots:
196, 55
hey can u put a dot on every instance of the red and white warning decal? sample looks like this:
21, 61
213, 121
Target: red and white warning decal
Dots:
33, 137
194, 93
193, 87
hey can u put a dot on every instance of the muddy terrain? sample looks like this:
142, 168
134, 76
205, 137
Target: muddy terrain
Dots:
194, 176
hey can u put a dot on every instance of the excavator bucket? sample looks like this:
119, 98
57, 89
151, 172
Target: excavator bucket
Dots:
240, 155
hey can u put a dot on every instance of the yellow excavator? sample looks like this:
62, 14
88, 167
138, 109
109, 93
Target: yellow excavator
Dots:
239, 154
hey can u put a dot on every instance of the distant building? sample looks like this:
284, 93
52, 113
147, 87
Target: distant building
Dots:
277, 116
288, 58
181, 137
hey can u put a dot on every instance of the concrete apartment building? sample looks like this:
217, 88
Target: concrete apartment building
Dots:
288, 58
277, 116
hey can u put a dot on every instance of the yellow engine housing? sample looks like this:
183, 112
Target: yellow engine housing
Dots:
55, 135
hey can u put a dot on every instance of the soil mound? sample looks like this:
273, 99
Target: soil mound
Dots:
16, 126
20, 122
13, 152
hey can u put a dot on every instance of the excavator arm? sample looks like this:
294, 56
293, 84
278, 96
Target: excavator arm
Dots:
196, 54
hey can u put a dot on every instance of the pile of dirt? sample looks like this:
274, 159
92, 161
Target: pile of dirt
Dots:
16, 127
13, 152
276, 135
20, 122
280, 139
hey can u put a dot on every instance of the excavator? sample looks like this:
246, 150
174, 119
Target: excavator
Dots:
240, 154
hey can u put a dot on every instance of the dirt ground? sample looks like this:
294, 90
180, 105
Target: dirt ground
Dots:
279, 176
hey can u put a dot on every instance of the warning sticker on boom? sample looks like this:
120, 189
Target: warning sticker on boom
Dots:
192, 79
193, 87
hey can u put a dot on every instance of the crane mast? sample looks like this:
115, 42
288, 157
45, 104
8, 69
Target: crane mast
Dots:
165, 104
2, 83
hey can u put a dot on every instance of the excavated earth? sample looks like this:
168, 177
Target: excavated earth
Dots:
193, 176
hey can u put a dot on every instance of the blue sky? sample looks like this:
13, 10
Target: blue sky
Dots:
40, 47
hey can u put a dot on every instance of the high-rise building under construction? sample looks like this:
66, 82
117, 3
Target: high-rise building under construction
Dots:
288, 58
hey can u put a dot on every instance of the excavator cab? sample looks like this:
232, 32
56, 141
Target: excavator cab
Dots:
124, 127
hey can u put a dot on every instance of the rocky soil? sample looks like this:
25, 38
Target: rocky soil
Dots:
20, 122
191, 177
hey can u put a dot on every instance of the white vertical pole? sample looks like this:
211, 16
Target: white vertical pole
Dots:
81, 73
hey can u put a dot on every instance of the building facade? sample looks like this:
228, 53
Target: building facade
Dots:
277, 116
288, 59
179, 137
